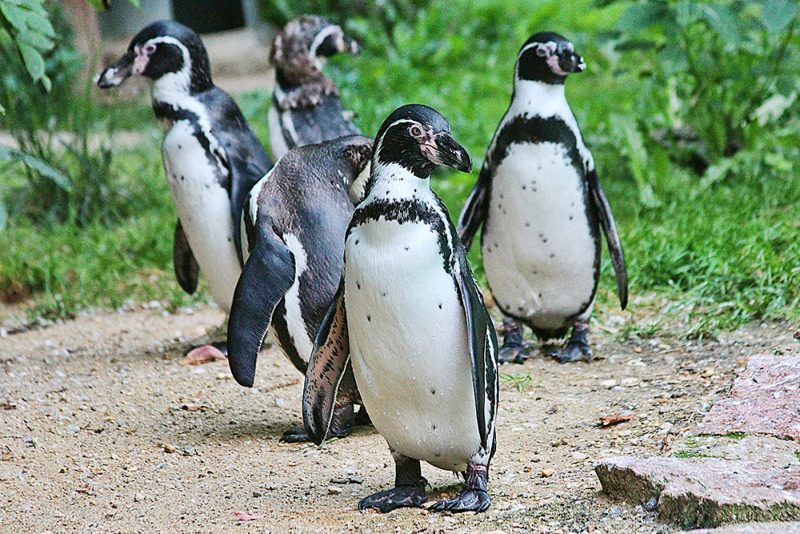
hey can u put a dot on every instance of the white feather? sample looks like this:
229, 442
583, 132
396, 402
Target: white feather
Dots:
408, 338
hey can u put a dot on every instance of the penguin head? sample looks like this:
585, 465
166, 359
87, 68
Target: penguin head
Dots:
163, 48
418, 138
305, 43
548, 57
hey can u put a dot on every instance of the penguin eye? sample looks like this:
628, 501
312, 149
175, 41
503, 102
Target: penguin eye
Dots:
415, 131
149, 48
540, 51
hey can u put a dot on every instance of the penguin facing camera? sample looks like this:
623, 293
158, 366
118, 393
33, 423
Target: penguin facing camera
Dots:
409, 327
211, 156
294, 223
539, 199
305, 104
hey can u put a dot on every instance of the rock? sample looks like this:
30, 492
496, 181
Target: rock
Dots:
548, 472
334, 490
608, 384
764, 400
705, 492
754, 528
170, 448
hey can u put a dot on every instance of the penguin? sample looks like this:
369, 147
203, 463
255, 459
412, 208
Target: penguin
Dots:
294, 223
539, 199
211, 156
305, 105
409, 327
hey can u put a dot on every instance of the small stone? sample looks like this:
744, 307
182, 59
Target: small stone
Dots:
170, 448
139, 497
579, 456
608, 384
527, 468
333, 490
188, 450
548, 472
651, 504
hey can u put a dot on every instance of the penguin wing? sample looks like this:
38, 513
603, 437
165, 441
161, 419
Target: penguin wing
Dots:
612, 238
265, 279
248, 163
482, 347
186, 269
474, 211
329, 371
245, 156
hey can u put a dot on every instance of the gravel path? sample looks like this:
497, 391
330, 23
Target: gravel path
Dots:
103, 429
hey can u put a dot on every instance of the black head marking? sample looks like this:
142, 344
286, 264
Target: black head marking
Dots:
417, 137
548, 57
160, 49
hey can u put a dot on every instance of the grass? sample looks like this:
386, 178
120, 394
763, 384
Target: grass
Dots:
720, 254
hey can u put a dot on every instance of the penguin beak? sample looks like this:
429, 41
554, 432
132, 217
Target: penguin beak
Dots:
570, 62
117, 73
351, 46
446, 151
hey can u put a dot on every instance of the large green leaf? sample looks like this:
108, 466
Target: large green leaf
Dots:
32, 162
34, 61
778, 14
724, 22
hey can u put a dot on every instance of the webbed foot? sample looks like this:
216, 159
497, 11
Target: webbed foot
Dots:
577, 346
513, 349
467, 500
398, 497
341, 427
473, 497
206, 353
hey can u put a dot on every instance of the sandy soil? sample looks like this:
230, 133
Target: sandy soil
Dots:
103, 429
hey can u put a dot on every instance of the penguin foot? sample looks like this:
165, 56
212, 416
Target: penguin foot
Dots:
573, 351
513, 349
206, 353
341, 427
513, 353
467, 500
399, 497
577, 346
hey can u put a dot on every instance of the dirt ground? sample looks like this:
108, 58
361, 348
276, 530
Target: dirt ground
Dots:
105, 430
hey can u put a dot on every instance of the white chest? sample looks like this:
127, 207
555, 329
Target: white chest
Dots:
277, 121
203, 207
537, 246
408, 343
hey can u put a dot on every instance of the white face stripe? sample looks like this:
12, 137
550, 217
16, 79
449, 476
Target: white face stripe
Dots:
321, 36
550, 47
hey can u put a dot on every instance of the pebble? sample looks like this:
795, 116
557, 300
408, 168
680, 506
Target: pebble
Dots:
170, 448
548, 472
608, 384
579, 456
333, 490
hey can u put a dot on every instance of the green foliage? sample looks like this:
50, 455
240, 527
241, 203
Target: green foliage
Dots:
62, 168
718, 81
26, 32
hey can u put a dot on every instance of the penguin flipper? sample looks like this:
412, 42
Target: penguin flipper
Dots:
265, 279
329, 371
482, 348
474, 211
187, 270
612, 238
245, 173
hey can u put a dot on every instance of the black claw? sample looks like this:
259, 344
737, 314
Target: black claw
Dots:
398, 497
467, 500
298, 434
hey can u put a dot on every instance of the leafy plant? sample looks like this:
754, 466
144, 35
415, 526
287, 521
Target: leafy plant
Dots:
26, 31
719, 82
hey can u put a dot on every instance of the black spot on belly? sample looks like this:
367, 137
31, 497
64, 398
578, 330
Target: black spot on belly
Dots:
369, 319
570, 217
524, 187
527, 225
230, 239
358, 285
437, 454
383, 294
433, 391
180, 147
552, 254
501, 195
440, 305
356, 242
433, 426
182, 177
405, 248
